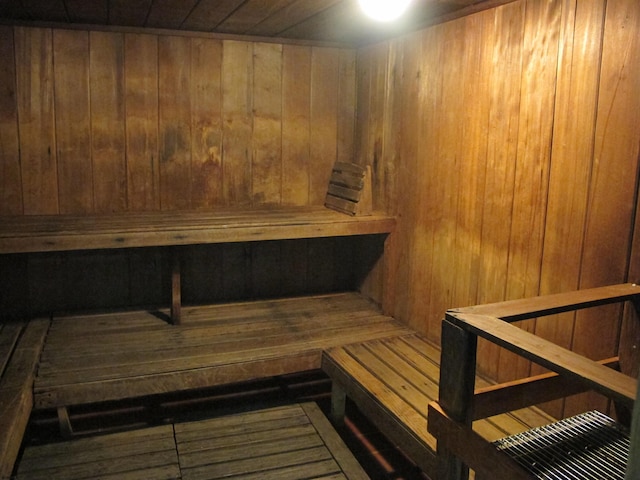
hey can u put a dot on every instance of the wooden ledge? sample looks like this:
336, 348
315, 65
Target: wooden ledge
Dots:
45, 233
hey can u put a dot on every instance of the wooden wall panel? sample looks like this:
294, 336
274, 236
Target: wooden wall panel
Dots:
73, 121
540, 48
323, 139
578, 74
628, 15
206, 123
112, 121
174, 125
266, 168
107, 121
446, 173
296, 111
237, 104
505, 34
36, 121
346, 98
507, 184
613, 183
10, 182
141, 100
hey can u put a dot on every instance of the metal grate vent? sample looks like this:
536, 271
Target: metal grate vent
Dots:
589, 446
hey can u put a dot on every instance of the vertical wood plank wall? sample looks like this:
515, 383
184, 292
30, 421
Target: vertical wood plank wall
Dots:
105, 121
507, 142
95, 122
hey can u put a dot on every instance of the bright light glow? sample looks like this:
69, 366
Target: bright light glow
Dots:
384, 10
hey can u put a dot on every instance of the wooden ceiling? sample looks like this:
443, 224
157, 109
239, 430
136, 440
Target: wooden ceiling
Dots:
334, 21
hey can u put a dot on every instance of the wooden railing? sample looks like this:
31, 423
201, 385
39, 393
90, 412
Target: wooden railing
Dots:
459, 404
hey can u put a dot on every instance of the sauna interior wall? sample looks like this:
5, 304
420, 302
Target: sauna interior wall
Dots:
507, 143
96, 122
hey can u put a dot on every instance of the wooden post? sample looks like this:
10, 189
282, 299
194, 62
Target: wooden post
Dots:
64, 422
176, 301
338, 403
457, 384
633, 463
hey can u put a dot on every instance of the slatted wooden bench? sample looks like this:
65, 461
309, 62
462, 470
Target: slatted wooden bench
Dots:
96, 358
392, 381
20, 345
288, 442
37, 233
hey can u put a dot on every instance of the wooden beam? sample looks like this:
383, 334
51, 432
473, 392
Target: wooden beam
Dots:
613, 384
533, 307
510, 396
457, 383
176, 288
463, 442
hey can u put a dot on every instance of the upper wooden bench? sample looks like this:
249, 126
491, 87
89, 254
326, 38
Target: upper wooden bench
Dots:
46, 233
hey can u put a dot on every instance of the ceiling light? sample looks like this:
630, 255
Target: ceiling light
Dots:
384, 10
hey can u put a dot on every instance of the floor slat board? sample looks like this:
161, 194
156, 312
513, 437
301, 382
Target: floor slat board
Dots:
112, 356
149, 453
288, 442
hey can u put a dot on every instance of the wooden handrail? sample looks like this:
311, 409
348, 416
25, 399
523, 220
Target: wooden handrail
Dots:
524, 392
527, 308
459, 404
613, 384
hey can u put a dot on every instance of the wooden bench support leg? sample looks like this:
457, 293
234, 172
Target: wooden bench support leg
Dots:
457, 384
64, 421
176, 300
338, 403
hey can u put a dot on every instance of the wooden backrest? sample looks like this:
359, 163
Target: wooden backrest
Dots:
350, 189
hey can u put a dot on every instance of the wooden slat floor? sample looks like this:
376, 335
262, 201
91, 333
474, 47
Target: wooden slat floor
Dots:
95, 358
287, 442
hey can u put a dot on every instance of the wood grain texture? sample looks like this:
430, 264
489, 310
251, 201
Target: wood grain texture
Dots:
35, 90
237, 104
138, 353
296, 101
324, 123
73, 124
108, 121
607, 243
141, 99
174, 124
206, 123
505, 73
532, 122
393, 379
276, 442
266, 141
157, 121
10, 181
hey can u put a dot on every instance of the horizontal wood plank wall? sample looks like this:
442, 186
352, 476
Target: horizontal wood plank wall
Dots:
98, 122
513, 141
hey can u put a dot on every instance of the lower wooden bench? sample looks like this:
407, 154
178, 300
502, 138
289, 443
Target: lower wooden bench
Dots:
393, 380
20, 345
90, 359
289, 442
